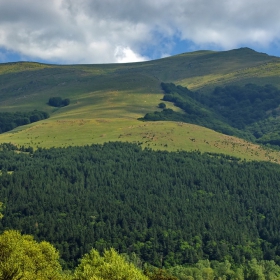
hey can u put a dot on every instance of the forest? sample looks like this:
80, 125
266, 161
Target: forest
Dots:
9, 121
58, 102
248, 111
167, 208
24, 258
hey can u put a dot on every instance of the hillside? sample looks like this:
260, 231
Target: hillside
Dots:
107, 100
169, 208
176, 195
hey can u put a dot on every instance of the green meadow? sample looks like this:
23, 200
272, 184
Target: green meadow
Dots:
107, 100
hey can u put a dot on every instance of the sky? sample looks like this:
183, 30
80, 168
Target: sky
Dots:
118, 31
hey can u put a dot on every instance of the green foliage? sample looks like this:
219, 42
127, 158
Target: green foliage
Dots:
162, 105
8, 147
11, 147
58, 102
242, 106
250, 270
167, 208
1, 209
9, 121
195, 112
110, 266
159, 274
21, 257
247, 112
165, 114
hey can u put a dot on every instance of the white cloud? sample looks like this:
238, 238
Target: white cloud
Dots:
125, 54
102, 31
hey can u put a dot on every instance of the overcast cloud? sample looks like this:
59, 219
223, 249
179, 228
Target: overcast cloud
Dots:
102, 31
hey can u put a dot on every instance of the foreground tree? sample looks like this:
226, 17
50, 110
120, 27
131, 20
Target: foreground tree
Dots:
21, 257
110, 266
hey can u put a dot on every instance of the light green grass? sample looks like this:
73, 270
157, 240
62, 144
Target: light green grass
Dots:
16, 67
267, 73
170, 136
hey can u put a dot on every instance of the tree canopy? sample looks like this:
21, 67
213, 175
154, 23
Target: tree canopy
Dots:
21, 257
167, 208
248, 111
9, 121
58, 102
110, 266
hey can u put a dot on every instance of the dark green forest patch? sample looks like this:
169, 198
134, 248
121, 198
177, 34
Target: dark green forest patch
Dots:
168, 208
58, 102
9, 121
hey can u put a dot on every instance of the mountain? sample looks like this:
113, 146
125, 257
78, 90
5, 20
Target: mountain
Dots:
106, 100
180, 196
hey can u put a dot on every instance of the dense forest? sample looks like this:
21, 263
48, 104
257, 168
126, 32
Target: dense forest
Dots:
248, 111
23, 258
9, 121
167, 208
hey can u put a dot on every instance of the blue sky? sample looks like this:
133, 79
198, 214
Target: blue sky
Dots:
110, 31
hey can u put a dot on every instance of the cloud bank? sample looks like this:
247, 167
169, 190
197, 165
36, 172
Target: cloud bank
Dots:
104, 31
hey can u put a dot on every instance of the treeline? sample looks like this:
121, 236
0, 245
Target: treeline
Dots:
9, 121
245, 111
23, 258
167, 208
249, 270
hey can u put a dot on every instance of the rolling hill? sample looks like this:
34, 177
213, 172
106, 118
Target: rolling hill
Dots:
107, 100
207, 209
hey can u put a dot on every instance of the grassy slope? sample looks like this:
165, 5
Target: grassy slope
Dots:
106, 100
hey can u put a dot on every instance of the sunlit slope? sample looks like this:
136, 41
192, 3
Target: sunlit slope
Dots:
106, 100
168, 136
239, 66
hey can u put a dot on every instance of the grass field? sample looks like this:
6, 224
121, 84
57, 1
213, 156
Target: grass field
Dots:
170, 136
107, 100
